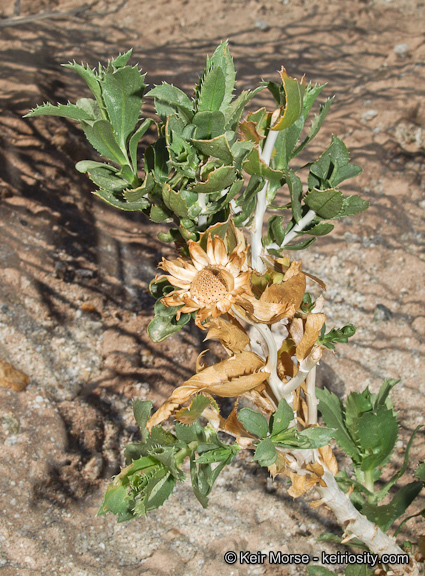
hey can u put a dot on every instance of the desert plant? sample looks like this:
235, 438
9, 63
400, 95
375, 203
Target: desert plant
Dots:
213, 176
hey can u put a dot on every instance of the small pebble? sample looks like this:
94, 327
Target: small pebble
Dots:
262, 25
369, 115
401, 50
382, 314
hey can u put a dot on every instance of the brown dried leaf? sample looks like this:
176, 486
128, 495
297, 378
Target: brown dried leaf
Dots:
249, 130
329, 459
230, 336
316, 468
302, 484
280, 466
312, 328
199, 365
12, 378
296, 330
231, 377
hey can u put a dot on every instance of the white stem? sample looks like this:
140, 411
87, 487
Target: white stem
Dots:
202, 202
358, 525
304, 368
260, 210
310, 396
275, 382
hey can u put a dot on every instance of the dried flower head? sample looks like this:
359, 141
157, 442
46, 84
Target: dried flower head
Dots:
211, 283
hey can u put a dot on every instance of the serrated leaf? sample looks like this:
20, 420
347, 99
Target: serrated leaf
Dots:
217, 180
232, 337
92, 80
332, 167
377, 436
142, 411
254, 422
320, 229
265, 453
296, 191
222, 59
317, 123
214, 455
293, 246
112, 199
122, 93
212, 90
167, 456
326, 203
282, 417
102, 138
159, 214
122, 59
385, 516
161, 492
352, 205
170, 99
197, 406
69, 110
174, 201
189, 434
217, 147
332, 412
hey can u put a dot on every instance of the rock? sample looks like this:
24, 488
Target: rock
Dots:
402, 50
369, 115
10, 423
12, 378
382, 314
262, 25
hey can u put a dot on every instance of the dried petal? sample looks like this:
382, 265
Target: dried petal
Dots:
329, 459
230, 336
312, 328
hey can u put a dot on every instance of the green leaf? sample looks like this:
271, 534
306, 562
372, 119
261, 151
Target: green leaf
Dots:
336, 335
156, 157
235, 109
92, 80
142, 411
352, 205
161, 492
255, 166
294, 246
173, 100
159, 214
213, 90
215, 455
326, 203
115, 500
420, 470
282, 417
167, 456
197, 406
116, 201
385, 390
135, 139
320, 229
189, 434
122, 59
217, 180
294, 98
332, 167
208, 124
332, 412
296, 192
329, 537
102, 138
217, 147
385, 516
105, 178
265, 453
222, 59
122, 93
319, 571
174, 201
69, 110
318, 436
164, 323
377, 436
254, 422
317, 123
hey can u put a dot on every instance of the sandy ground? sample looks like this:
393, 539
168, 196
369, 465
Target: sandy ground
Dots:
74, 274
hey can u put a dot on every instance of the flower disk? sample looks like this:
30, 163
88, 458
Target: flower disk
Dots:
211, 283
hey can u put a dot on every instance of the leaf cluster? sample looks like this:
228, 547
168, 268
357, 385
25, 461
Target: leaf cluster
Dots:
279, 432
366, 428
153, 465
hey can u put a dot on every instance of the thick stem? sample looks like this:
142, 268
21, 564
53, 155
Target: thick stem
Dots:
358, 525
310, 397
305, 366
260, 210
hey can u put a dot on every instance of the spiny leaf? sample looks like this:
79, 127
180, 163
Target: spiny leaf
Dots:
69, 110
